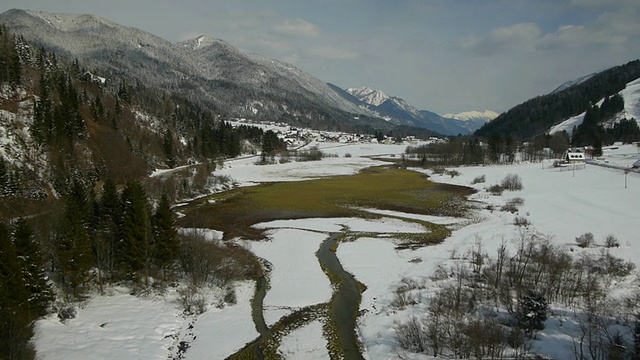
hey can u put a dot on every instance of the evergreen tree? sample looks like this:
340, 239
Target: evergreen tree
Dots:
533, 310
167, 147
135, 247
10, 65
74, 252
42, 127
4, 176
510, 149
495, 147
108, 229
15, 318
165, 235
33, 268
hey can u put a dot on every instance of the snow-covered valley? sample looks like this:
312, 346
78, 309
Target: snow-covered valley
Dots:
559, 205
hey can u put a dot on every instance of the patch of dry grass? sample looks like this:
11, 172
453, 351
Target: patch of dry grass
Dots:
387, 188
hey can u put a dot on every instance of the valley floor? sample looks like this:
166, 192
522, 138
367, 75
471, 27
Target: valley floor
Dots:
560, 204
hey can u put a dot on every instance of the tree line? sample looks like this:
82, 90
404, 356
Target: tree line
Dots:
497, 149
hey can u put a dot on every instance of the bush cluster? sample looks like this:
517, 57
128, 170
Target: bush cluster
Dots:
492, 307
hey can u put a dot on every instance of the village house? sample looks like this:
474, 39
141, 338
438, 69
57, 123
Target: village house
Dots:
574, 158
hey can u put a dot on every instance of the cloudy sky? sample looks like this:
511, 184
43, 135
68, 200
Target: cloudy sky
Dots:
441, 55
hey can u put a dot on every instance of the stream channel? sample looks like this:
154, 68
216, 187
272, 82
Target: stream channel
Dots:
343, 308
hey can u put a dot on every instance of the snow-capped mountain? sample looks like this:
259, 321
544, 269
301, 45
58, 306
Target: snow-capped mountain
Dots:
397, 110
369, 95
486, 115
206, 69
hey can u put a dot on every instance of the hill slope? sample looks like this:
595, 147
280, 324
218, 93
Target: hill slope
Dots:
209, 71
538, 115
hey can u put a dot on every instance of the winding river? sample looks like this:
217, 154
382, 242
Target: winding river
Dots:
346, 300
343, 307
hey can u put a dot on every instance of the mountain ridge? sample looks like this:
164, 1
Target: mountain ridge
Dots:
538, 115
213, 73
397, 110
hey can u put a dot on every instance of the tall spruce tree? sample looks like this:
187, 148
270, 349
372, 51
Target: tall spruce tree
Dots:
32, 266
135, 246
167, 147
15, 317
165, 235
74, 252
108, 229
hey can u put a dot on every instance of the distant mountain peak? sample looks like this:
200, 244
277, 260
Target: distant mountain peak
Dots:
398, 111
65, 21
472, 115
202, 41
369, 95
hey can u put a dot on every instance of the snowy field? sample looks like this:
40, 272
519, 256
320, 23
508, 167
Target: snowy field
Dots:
561, 204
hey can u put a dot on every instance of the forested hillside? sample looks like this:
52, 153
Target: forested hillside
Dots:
534, 117
77, 210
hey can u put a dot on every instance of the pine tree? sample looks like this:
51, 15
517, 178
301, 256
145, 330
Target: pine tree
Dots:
533, 310
4, 177
165, 235
10, 65
74, 252
42, 127
33, 268
134, 248
108, 229
15, 318
167, 147
495, 147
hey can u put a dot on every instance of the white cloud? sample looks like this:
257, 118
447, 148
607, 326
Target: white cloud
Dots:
521, 36
611, 31
330, 52
296, 27
604, 3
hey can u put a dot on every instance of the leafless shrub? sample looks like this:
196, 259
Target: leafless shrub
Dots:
411, 335
512, 205
585, 240
207, 263
613, 266
440, 273
284, 158
403, 296
479, 179
495, 189
485, 338
438, 170
192, 302
312, 154
230, 296
611, 241
197, 257
452, 173
409, 284
401, 299
66, 312
521, 221
512, 182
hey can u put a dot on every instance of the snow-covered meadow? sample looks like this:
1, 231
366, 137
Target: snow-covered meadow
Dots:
559, 203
